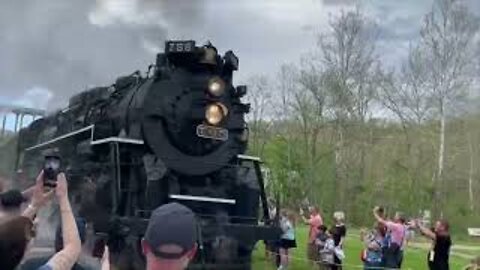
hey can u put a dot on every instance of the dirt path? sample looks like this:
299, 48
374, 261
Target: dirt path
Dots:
457, 250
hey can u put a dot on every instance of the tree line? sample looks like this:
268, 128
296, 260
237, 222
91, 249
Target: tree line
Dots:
344, 130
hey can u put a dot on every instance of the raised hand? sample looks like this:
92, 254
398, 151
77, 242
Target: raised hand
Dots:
416, 223
62, 186
40, 196
105, 261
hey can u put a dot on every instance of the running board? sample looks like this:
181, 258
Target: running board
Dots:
63, 137
246, 157
201, 199
85, 130
118, 140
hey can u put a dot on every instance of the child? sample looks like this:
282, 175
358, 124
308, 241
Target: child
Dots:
326, 248
374, 243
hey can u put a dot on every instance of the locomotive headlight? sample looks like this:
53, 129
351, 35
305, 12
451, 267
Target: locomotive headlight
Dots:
215, 113
216, 86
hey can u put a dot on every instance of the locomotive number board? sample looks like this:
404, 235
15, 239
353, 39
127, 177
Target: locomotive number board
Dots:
186, 46
210, 132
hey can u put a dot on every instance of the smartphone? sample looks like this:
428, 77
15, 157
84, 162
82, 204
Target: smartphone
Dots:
51, 169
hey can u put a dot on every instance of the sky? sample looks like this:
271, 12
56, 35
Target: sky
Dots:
50, 50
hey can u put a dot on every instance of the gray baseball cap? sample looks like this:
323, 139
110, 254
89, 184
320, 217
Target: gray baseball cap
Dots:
174, 225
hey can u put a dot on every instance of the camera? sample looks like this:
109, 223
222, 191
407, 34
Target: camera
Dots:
51, 169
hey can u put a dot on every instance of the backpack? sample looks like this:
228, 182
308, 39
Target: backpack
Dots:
373, 256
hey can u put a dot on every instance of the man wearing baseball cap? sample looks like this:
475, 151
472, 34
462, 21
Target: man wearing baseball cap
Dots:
11, 203
170, 240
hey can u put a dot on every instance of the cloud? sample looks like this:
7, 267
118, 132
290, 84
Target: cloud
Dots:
111, 12
339, 2
67, 46
36, 97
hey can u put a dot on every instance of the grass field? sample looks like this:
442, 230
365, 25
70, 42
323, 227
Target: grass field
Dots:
415, 257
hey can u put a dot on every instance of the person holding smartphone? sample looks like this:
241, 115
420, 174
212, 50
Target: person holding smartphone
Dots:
68, 255
396, 235
17, 232
439, 255
85, 261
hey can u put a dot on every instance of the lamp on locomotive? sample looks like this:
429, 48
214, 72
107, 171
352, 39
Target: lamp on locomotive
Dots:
216, 86
215, 112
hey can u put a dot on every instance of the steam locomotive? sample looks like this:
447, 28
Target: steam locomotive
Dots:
176, 133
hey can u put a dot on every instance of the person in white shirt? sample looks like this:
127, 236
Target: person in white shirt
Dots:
287, 240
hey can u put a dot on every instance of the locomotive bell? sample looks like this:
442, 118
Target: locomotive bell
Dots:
209, 56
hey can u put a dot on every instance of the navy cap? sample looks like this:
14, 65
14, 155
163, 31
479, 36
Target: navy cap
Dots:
12, 198
171, 225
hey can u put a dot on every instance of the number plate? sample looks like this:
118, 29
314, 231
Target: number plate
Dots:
210, 132
179, 46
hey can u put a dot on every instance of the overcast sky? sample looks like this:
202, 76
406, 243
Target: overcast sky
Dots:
52, 49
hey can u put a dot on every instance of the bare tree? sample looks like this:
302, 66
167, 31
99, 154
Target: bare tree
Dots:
309, 101
284, 131
347, 54
406, 94
446, 48
471, 172
260, 97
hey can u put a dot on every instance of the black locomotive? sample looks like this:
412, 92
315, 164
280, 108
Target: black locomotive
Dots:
176, 133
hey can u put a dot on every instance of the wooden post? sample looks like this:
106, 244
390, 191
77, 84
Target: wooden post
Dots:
4, 124
21, 121
16, 123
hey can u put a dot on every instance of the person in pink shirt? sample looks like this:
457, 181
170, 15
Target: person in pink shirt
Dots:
397, 232
314, 222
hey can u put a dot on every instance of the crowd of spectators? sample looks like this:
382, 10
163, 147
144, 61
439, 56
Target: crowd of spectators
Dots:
173, 249
324, 245
17, 231
385, 245
163, 247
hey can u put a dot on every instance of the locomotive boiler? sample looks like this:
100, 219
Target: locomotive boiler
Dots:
176, 133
